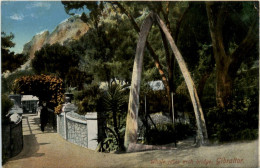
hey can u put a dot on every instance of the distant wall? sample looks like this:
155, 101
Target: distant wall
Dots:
12, 140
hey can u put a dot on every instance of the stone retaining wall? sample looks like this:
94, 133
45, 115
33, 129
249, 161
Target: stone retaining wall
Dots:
77, 133
75, 129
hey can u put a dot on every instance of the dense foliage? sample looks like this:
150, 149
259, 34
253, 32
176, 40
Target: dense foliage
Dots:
89, 99
107, 50
52, 59
167, 133
238, 121
10, 60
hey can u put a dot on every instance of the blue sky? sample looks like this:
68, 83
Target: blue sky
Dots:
27, 18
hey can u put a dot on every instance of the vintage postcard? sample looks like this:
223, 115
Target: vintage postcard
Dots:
129, 84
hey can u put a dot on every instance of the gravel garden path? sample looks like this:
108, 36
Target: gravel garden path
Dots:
50, 150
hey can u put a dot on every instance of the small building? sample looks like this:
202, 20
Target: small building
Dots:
29, 103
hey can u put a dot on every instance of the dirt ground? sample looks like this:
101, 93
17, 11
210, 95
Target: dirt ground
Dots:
50, 150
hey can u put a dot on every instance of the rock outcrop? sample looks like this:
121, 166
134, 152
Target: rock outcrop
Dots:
71, 29
68, 30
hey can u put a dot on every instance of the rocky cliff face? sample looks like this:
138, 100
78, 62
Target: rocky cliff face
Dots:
71, 29
35, 44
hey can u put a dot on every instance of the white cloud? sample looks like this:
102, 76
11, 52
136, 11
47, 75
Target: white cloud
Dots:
17, 16
39, 5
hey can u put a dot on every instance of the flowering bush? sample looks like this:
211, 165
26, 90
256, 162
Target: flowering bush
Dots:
58, 109
47, 87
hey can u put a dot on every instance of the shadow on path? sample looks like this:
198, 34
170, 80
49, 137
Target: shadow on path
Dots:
31, 145
48, 128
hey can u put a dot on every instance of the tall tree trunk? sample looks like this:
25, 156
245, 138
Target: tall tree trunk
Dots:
226, 65
223, 83
224, 86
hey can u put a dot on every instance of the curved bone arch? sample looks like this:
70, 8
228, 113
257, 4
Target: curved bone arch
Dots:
132, 115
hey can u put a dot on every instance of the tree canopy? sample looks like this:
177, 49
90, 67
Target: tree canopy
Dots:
10, 60
62, 61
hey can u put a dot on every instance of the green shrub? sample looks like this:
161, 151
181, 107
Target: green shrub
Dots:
162, 134
183, 131
89, 99
248, 134
167, 133
238, 121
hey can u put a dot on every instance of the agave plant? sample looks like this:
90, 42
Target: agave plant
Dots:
111, 141
115, 106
